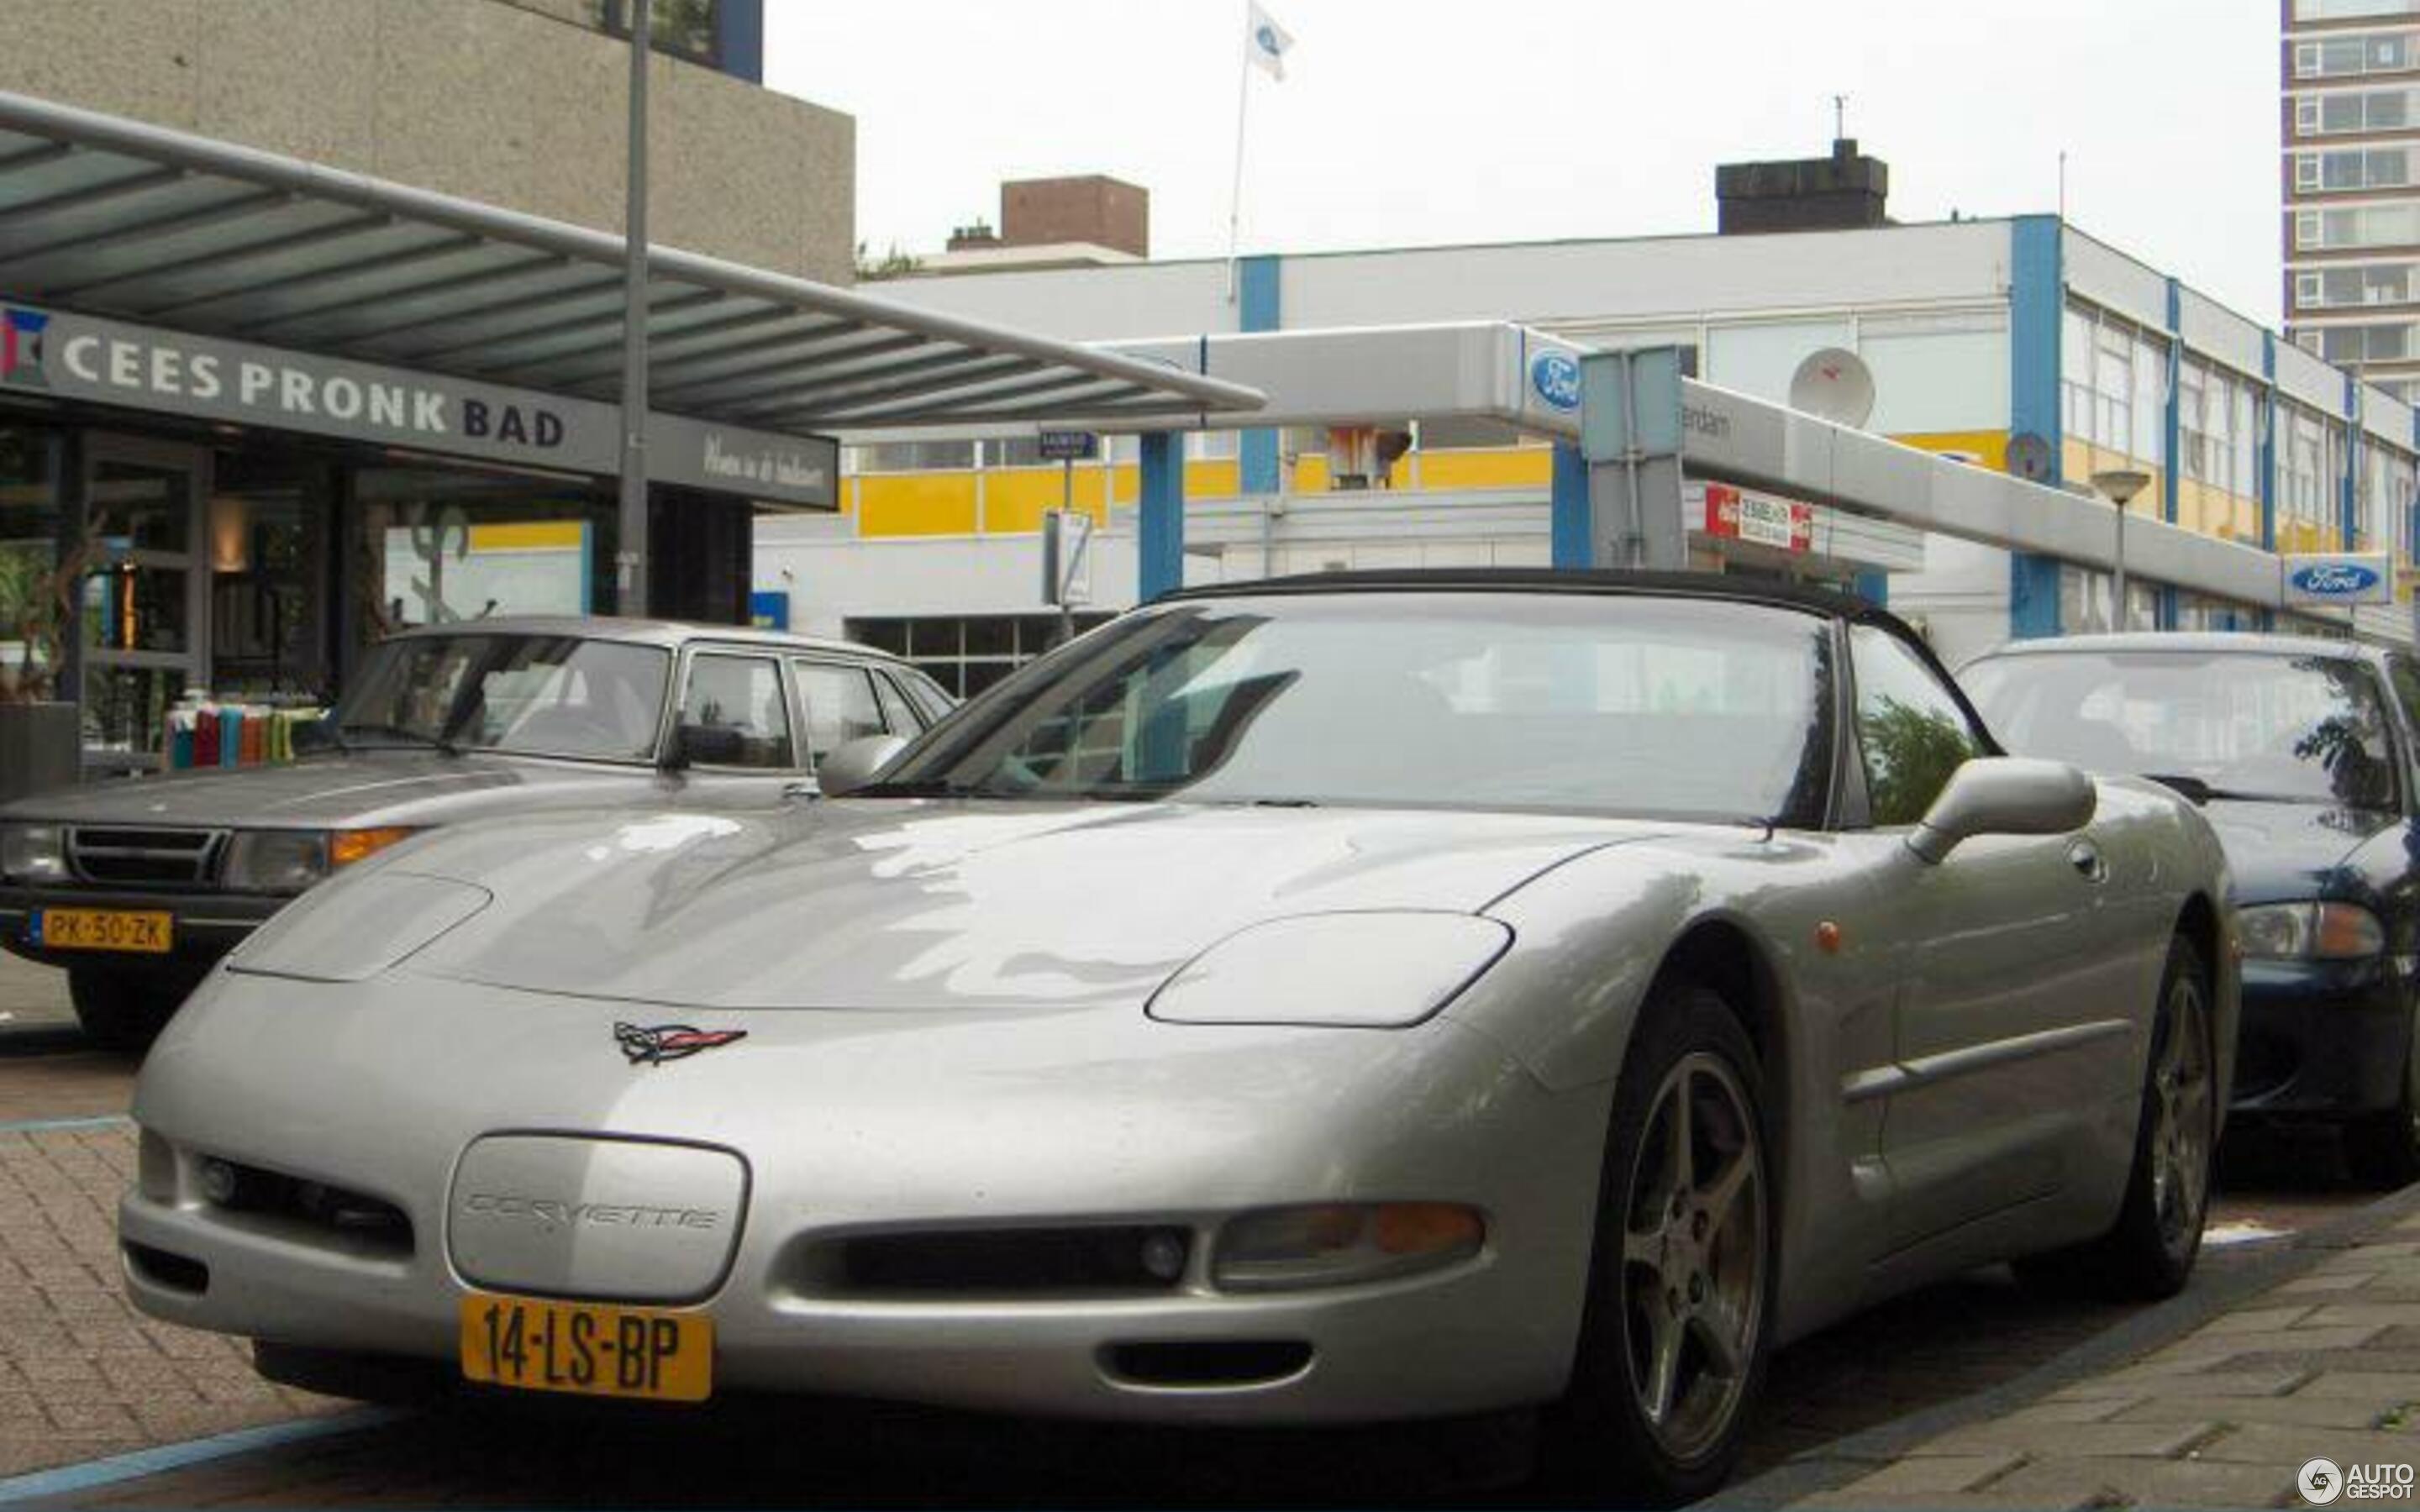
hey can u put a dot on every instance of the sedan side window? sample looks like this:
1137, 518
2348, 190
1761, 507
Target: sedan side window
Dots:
840, 703
1911, 732
896, 710
744, 694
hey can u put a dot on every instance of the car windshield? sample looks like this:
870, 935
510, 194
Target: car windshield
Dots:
541, 695
2303, 729
1603, 703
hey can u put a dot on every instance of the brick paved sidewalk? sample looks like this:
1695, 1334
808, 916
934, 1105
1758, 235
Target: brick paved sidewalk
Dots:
82, 1374
2325, 1366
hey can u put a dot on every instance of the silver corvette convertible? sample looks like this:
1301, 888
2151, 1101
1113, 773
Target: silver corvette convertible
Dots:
1327, 1000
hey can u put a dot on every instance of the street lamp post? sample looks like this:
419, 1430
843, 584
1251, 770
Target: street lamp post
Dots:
631, 597
2119, 487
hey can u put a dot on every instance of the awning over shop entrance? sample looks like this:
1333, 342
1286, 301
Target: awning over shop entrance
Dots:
111, 217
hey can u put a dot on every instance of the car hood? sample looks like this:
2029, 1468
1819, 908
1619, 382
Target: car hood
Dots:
889, 904
382, 787
2284, 851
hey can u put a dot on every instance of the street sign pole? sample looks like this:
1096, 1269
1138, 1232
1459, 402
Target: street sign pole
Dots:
1066, 507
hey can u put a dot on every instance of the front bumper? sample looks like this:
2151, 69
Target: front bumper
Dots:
208, 924
2322, 1039
1157, 1124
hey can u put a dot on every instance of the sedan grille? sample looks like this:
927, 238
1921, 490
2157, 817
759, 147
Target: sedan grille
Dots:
146, 857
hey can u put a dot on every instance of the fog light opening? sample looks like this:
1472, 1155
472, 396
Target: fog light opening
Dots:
1207, 1364
172, 1272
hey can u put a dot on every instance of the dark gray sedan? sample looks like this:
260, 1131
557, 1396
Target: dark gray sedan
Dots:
136, 889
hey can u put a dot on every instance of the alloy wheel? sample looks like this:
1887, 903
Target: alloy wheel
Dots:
2181, 1136
1693, 1246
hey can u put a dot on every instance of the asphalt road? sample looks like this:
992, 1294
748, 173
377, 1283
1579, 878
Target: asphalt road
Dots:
1919, 1352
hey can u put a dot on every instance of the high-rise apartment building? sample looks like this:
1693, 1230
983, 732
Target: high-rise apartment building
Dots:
2350, 129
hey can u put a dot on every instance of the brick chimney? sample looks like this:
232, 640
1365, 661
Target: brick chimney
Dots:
1844, 191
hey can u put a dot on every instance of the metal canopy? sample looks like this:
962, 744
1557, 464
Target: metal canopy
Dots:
113, 217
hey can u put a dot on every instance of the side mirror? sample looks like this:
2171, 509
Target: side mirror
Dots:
854, 764
2004, 796
708, 744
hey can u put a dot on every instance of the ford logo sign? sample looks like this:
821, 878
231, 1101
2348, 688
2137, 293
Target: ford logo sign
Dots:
1556, 376
2334, 580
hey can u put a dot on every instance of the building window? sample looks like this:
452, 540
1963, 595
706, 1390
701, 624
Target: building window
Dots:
2353, 345
967, 653
2365, 226
2115, 383
2362, 283
684, 28
915, 457
2353, 168
2336, 57
2343, 112
2310, 10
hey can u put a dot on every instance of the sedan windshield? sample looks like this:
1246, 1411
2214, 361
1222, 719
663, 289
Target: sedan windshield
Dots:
2251, 725
1562, 702
540, 695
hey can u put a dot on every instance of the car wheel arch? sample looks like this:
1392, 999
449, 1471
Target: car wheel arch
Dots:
1727, 959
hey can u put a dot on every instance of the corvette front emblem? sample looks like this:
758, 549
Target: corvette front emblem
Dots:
652, 1044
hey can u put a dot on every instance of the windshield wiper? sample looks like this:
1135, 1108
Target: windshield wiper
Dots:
2202, 793
930, 787
437, 743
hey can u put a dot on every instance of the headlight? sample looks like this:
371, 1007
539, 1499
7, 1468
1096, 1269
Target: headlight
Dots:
290, 860
1340, 1243
1358, 970
2309, 931
32, 853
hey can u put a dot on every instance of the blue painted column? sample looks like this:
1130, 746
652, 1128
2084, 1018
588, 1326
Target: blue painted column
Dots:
1873, 587
1159, 565
1257, 309
1567, 511
2347, 489
2172, 485
2268, 462
2036, 301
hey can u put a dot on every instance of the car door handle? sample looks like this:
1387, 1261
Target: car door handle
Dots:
2085, 857
801, 789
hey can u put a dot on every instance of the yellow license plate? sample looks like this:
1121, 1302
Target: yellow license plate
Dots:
105, 929
586, 1347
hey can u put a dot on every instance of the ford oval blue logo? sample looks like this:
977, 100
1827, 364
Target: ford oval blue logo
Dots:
1557, 378
2334, 580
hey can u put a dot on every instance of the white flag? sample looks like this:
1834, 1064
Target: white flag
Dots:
1268, 42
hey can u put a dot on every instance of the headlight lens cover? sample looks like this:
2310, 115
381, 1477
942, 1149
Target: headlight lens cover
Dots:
1334, 1244
1367, 970
32, 853
356, 930
2309, 931
290, 860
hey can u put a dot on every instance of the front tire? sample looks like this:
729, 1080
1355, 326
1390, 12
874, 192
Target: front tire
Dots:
2383, 1151
123, 1010
2149, 1252
1673, 1339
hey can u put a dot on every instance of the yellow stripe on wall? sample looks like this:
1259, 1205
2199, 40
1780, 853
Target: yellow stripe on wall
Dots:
528, 536
917, 503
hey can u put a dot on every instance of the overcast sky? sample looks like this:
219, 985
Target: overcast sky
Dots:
1418, 122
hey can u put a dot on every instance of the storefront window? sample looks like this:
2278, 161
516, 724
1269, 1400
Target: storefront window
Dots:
30, 644
437, 548
267, 527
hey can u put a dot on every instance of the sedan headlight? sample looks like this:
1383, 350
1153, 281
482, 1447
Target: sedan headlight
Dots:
2309, 931
1372, 970
32, 853
290, 860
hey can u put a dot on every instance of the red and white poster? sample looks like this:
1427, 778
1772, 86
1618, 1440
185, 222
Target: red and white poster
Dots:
1760, 518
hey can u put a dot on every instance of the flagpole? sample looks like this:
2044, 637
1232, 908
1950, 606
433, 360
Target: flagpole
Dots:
1236, 192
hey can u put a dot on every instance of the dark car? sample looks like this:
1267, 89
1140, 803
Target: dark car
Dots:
136, 889
2300, 752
